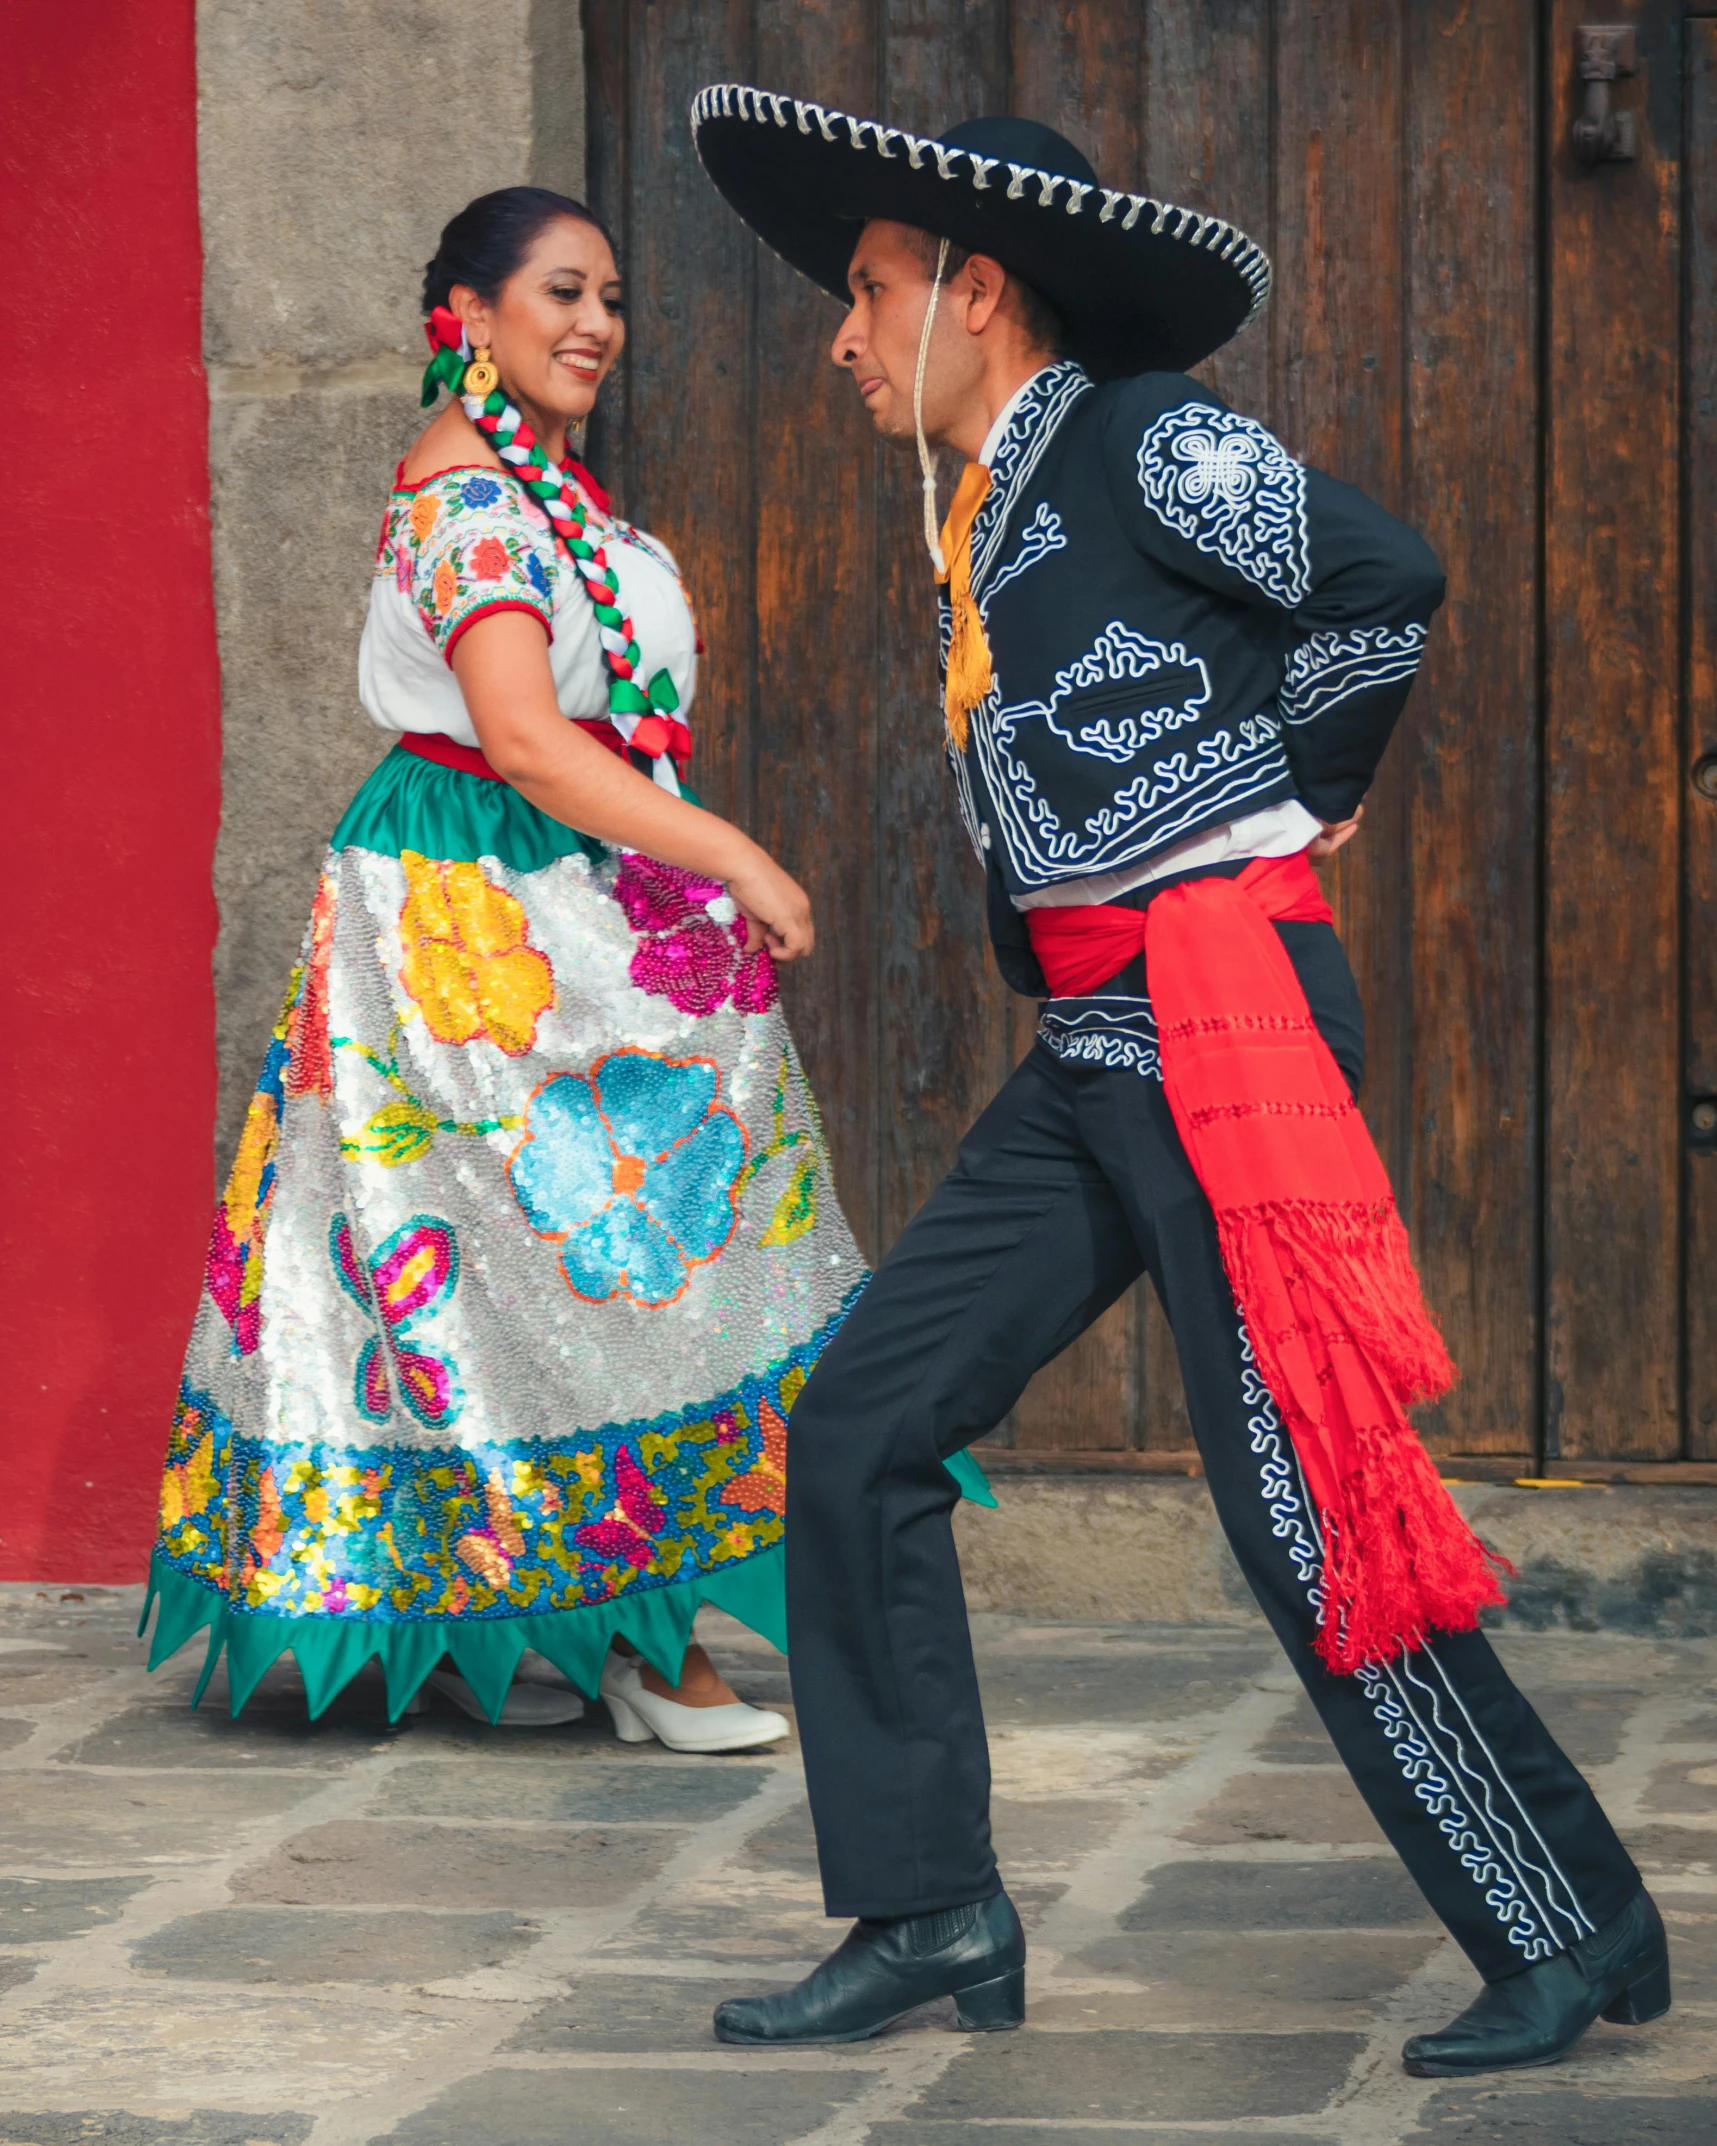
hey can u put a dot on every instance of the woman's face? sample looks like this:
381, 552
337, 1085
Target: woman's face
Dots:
555, 328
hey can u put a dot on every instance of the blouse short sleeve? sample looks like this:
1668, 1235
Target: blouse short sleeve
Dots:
471, 542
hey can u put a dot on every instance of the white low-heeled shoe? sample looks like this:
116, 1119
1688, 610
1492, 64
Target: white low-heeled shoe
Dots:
640, 1714
526, 1706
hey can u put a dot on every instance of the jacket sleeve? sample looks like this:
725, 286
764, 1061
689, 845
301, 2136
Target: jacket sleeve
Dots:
1216, 498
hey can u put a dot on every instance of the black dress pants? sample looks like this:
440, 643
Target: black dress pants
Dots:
1071, 1183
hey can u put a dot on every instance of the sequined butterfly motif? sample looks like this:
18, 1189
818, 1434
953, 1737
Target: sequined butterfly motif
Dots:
403, 1281
628, 1528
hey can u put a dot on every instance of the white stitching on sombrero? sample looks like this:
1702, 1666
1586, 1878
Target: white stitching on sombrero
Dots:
1212, 234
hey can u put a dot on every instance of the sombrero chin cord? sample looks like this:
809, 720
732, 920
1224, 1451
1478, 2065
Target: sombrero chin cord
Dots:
926, 460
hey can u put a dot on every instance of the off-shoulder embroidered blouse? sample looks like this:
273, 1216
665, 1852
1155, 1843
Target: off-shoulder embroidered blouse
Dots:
469, 542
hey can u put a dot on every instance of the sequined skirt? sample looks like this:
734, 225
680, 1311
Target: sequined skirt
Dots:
529, 1245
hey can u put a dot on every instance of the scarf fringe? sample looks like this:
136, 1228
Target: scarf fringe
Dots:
1358, 1257
1400, 1561
970, 675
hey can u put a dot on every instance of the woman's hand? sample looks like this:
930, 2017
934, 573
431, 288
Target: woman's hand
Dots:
1336, 833
776, 909
502, 667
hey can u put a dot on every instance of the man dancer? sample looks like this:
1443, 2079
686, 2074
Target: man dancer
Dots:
1172, 660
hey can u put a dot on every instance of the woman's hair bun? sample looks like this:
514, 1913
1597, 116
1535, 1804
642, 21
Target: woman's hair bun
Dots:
486, 242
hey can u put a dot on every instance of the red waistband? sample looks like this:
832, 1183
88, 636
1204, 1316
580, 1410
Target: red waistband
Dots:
1080, 947
448, 752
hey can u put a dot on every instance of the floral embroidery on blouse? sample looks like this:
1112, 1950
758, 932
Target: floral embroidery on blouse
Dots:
466, 542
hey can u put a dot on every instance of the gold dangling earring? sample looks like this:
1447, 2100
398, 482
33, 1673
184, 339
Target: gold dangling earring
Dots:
481, 378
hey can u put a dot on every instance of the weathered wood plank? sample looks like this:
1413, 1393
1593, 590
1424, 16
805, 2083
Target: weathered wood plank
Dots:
814, 724
1612, 962
690, 268
945, 1017
1470, 748
1339, 358
1206, 142
1700, 735
1083, 70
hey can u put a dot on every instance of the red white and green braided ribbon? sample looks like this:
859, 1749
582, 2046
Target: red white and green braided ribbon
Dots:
645, 716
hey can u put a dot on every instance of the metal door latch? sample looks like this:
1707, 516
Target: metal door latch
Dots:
1602, 135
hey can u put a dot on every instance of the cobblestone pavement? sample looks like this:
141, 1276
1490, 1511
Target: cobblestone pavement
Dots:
265, 1933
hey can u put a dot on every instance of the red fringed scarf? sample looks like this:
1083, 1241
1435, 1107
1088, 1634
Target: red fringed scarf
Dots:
1310, 1238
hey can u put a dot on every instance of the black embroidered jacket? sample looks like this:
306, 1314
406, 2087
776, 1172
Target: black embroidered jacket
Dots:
1185, 625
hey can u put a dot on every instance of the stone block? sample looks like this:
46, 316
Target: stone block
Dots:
646, 1792
631, 2012
632, 2108
1266, 1980
1686, 1785
67, 1821
43, 1680
334, 142
1142, 1549
993, 2134
299, 483
1345, 1895
14, 1733
1491, 2115
1115, 2077
741, 1923
1691, 1920
1676, 1850
45, 1911
449, 1866
1628, 1557
274, 1730
265, 1945
1588, 1720
1173, 1683
116, 2127
1286, 1804
14, 1973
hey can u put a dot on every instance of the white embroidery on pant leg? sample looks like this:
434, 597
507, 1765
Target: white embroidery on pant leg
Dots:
1414, 1747
1574, 1910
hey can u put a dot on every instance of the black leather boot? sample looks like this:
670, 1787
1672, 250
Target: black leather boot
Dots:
1620, 1973
882, 1970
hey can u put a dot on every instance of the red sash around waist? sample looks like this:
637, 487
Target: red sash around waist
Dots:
1311, 1241
448, 752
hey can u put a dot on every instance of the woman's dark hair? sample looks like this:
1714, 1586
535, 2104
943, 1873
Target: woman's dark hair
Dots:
489, 238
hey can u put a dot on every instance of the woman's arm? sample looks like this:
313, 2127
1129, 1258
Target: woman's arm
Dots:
501, 664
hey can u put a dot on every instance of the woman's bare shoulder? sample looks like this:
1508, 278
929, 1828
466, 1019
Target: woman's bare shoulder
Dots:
450, 442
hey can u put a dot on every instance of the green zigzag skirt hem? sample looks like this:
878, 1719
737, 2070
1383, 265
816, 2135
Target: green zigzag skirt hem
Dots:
331, 1650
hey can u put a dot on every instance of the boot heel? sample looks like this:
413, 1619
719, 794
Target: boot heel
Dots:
989, 2007
1642, 2000
629, 1726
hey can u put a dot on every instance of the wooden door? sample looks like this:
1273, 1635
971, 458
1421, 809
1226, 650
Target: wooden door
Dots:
1490, 339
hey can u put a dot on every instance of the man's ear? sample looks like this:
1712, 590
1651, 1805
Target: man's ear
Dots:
988, 279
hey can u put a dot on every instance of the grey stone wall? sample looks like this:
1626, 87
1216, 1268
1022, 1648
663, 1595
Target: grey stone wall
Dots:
335, 139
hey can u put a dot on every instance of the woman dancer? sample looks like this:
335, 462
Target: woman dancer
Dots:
530, 1243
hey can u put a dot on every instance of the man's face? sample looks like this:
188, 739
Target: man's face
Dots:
878, 341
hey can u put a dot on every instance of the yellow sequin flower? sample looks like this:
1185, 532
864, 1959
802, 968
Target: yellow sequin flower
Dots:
468, 961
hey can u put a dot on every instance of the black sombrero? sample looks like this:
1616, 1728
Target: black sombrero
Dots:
1139, 284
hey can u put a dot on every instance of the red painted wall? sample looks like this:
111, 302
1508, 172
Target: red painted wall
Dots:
109, 776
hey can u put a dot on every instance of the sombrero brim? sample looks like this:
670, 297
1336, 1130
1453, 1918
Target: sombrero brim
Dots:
1140, 284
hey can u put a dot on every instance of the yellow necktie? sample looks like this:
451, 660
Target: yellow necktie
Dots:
969, 673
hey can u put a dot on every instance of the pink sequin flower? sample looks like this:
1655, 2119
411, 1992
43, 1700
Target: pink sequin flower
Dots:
691, 940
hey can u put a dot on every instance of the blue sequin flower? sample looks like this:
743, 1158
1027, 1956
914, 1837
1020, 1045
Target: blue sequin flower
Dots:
480, 492
631, 1169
